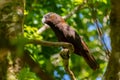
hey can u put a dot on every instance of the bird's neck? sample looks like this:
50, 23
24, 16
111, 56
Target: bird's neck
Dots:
54, 27
57, 29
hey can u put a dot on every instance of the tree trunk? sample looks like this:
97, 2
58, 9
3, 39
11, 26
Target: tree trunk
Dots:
113, 68
12, 58
11, 23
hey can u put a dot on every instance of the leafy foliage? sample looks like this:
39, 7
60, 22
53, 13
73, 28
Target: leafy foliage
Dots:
81, 21
25, 74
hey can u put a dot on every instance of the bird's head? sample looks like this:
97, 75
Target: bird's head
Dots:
52, 18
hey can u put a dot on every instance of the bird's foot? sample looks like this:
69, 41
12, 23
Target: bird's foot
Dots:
65, 53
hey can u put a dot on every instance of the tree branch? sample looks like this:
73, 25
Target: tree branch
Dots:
43, 28
55, 44
65, 56
64, 53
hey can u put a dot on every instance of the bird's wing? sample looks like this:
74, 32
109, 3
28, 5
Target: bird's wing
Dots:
72, 37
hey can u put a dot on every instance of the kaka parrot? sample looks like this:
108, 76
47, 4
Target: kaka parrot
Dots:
65, 33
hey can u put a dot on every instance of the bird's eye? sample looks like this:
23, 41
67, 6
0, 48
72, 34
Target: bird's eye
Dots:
45, 16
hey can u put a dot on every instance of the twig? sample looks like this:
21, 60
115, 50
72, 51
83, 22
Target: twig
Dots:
81, 6
100, 33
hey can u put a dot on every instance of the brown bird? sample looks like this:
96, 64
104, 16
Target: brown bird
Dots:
65, 33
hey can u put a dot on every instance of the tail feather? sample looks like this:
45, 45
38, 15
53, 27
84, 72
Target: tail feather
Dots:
89, 58
90, 61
